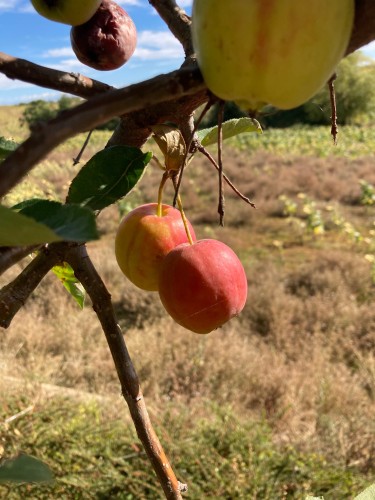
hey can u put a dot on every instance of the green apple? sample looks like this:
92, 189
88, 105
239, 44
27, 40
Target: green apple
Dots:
278, 52
72, 12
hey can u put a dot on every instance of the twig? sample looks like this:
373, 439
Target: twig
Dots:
77, 159
221, 204
204, 151
189, 142
11, 255
177, 21
94, 112
14, 295
19, 414
72, 83
332, 97
102, 305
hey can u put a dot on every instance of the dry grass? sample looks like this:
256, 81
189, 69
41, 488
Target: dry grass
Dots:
301, 355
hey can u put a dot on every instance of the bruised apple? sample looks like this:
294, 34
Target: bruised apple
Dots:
107, 40
71, 12
202, 286
144, 238
278, 52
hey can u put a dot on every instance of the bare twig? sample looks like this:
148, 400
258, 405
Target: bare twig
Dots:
177, 21
92, 113
204, 151
77, 159
14, 295
221, 204
72, 83
102, 305
332, 97
11, 255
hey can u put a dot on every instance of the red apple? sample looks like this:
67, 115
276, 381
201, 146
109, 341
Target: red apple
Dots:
143, 240
202, 286
107, 40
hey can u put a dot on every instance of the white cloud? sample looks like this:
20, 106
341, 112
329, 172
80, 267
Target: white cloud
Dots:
8, 84
60, 52
185, 3
153, 45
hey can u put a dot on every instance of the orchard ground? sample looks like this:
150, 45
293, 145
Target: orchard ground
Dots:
277, 404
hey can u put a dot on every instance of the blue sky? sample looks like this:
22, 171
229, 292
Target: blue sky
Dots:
27, 35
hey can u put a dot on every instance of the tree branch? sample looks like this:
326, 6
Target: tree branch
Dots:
364, 25
177, 21
14, 295
102, 305
96, 111
11, 255
71, 83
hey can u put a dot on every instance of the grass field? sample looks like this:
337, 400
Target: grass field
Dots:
277, 404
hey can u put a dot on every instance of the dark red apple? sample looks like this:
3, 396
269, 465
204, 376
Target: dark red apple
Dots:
202, 286
107, 40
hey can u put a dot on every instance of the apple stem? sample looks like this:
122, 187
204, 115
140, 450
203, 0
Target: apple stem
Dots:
184, 220
159, 210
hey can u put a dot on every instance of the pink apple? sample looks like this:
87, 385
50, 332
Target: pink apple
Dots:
143, 240
202, 286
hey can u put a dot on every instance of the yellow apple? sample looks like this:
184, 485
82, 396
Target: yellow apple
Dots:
72, 12
278, 52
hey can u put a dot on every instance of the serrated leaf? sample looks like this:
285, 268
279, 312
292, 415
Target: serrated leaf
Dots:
42, 221
66, 275
171, 144
367, 494
25, 469
230, 128
7, 147
108, 176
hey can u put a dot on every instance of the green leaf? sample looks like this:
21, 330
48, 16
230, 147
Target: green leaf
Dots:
108, 176
7, 146
25, 469
66, 275
231, 128
42, 221
367, 494
314, 498
69, 222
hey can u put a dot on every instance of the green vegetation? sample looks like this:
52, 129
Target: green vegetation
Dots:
277, 405
95, 455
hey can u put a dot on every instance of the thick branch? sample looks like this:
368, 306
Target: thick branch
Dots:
102, 305
88, 115
72, 83
364, 25
177, 21
14, 295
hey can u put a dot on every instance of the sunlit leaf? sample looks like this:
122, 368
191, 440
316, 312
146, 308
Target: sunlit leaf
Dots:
108, 176
66, 275
230, 128
367, 494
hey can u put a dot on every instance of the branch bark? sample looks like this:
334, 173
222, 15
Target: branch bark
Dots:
11, 255
131, 390
72, 83
94, 112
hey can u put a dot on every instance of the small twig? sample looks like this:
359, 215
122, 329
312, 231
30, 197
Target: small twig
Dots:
11, 255
79, 156
14, 295
19, 414
204, 151
221, 204
102, 305
189, 143
332, 96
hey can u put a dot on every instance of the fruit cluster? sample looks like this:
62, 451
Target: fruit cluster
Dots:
103, 36
201, 283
